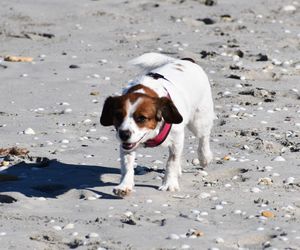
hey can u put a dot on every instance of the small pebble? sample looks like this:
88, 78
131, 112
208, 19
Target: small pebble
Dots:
289, 180
2, 233
67, 111
87, 121
74, 66
195, 162
204, 195
289, 8
185, 246
226, 93
157, 162
92, 235
203, 173
29, 131
268, 168
237, 211
265, 181
128, 214
267, 214
195, 211
57, 228
64, 104
278, 158
69, 226
218, 207
173, 237
96, 76
255, 190
4, 163
65, 141
219, 240
41, 199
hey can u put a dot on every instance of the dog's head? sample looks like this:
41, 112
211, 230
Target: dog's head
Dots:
136, 117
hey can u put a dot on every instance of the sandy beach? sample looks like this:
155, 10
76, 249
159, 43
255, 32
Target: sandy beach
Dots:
59, 60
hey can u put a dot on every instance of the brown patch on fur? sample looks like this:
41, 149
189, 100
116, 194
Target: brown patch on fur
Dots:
115, 109
179, 65
149, 112
147, 90
146, 113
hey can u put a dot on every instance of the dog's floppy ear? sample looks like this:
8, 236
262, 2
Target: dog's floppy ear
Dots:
168, 111
107, 116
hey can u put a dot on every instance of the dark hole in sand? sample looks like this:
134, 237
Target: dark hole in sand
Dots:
7, 198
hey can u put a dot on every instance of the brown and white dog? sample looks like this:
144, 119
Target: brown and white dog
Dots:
155, 108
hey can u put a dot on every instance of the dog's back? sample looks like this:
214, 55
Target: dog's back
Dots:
186, 83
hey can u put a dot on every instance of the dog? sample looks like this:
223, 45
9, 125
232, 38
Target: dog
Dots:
155, 108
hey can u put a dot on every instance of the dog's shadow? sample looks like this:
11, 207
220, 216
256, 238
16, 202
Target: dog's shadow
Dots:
53, 178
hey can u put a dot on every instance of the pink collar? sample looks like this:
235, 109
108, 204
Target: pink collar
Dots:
160, 138
162, 135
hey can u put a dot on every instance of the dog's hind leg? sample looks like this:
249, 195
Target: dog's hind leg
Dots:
173, 168
204, 153
201, 128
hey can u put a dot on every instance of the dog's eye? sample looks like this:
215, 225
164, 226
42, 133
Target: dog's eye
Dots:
140, 119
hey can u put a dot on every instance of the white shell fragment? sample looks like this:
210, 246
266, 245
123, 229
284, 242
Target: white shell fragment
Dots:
92, 235
69, 226
195, 162
219, 207
289, 8
57, 228
65, 141
289, 180
255, 190
204, 195
29, 131
278, 158
219, 240
67, 111
173, 237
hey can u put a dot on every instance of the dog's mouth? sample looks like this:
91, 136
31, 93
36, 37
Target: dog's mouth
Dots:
129, 146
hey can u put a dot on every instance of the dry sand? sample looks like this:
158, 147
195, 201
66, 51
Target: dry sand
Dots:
59, 195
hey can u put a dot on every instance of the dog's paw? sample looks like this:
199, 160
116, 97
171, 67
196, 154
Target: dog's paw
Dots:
205, 160
171, 186
122, 191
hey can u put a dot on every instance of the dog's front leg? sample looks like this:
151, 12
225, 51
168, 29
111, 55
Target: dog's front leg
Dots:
127, 173
173, 168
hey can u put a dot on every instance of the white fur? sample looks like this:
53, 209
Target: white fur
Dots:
190, 91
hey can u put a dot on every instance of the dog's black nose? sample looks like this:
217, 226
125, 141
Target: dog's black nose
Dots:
124, 135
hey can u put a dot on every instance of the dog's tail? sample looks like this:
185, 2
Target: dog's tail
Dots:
151, 61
